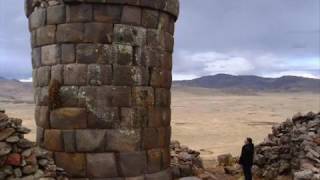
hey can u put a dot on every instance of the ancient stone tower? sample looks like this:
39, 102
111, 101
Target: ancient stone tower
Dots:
102, 78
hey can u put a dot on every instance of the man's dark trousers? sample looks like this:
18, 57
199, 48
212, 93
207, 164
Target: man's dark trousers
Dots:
247, 172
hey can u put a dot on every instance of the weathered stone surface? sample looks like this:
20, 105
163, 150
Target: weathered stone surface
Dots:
107, 13
69, 140
161, 78
46, 35
150, 18
154, 160
151, 57
43, 76
42, 116
99, 74
14, 159
56, 14
36, 57
79, 13
121, 96
68, 53
4, 134
135, 36
104, 117
151, 138
130, 75
166, 61
98, 32
131, 15
87, 53
165, 175
73, 163
41, 96
68, 118
5, 148
172, 6
162, 97
90, 140
40, 136
130, 2
122, 54
166, 157
57, 73
156, 4
160, 39
69, 96
74, 74
53, 140
50, 54
37, 18
143, 96
123, 140
72, 32
101, 165
159, 116
164, 136
132, 163
134, 117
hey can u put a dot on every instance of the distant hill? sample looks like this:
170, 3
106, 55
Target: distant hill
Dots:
254, 83
14, 90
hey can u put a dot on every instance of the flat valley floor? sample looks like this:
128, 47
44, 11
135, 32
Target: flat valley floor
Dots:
213, 121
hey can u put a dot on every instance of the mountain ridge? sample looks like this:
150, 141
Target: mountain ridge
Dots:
253, 82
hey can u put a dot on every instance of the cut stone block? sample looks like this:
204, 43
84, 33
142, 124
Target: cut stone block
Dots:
46, 35
90, 140
132, 163
56, 14
68, 118
73, 163
123, 140
75, 74
102, 165
50, 54
53, 140
131, 15
79, 13
70, 33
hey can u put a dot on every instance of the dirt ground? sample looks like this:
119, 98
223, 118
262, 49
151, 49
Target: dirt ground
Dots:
215, 122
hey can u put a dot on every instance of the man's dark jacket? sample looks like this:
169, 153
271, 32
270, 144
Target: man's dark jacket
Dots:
246, 158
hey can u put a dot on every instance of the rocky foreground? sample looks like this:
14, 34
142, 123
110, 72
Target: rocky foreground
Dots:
293, 147
20, 158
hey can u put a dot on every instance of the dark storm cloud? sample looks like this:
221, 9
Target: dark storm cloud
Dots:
262, 37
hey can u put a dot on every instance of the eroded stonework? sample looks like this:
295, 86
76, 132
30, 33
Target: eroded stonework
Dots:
102, 78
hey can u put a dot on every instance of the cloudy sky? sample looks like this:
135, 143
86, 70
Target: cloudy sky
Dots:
268, 38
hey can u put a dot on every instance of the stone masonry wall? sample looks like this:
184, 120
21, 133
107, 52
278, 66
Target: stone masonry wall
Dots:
102, 78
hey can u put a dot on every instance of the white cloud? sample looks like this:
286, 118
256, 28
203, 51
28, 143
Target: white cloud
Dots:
178, 77
26, 80
189, 65
295, 73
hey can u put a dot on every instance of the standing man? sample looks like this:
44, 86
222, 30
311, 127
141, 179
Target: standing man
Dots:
246, 158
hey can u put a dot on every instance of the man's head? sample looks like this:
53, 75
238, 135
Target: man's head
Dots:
248, 140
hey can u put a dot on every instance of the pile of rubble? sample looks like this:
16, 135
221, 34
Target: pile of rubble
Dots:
19, 157
292, 148
184, 161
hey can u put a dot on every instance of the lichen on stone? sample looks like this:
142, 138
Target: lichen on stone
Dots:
54, 94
